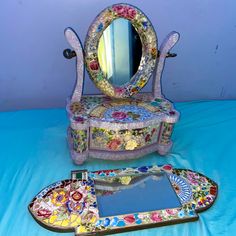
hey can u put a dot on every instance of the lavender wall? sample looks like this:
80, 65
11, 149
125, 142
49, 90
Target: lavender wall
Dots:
34, 74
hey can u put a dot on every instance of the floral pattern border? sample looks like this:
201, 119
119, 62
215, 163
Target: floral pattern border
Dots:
120, 140
165, 133
66, 204
71, 204
149, 55
79, 140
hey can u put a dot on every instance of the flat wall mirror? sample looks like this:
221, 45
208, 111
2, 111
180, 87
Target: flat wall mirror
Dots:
112, 201
119, 52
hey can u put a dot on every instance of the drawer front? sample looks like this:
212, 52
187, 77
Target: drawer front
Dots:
123, 140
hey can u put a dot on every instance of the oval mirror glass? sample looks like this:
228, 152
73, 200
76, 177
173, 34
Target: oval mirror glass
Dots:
119, 52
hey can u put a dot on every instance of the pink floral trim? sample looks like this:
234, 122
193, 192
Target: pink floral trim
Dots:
125, 11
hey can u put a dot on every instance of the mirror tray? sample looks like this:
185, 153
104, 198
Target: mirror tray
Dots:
112, 201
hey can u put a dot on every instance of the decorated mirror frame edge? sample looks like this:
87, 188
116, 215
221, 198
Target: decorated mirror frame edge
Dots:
148, 38
151, 169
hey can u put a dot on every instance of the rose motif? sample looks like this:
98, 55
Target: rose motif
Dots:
213, 190
167, 167
130, 219
44, 213
156, 217
77, 196
131, 12
75, 206
90, 217
153, 131
93, 65
114, 144
148, 138
79, 119
119, 115
119, 90
170, 212
119, 9
107, 172
125, 11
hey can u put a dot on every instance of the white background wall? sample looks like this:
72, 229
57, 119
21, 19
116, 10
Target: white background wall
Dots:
34, 74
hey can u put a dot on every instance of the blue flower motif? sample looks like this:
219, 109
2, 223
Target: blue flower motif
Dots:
90, 182
143, 169
92, 191
112, 174
145, 24
191, 213
114, 221
94, 204
100, 27
106, 222
155, 104
139, 221
121, 223
181, 214
98, 223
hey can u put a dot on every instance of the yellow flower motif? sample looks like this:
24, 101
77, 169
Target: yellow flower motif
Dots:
127, 137
75, 106
88, 188
93, 219
65, 222
142, 82
59, 197
125, 180
52, 219
131, 145
81, 229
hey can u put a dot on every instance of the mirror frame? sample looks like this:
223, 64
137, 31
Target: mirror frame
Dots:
148, 60
196, 193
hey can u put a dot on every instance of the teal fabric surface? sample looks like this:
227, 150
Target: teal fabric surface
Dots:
34, 154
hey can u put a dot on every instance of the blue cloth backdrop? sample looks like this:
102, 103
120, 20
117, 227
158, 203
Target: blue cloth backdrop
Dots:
34, 154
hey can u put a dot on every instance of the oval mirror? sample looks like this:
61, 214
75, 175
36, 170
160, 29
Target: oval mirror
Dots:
121, 50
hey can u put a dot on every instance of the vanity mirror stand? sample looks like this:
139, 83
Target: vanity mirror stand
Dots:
121, 55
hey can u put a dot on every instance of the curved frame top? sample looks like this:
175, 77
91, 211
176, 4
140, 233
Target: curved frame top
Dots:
149, 49
75, 43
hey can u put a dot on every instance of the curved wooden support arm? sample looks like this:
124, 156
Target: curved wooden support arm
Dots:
169, 42
75, 43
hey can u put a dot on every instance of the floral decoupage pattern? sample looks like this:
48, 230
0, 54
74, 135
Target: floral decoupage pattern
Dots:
149, 50
105, 109
66, 204
120, 140
79, 138
204, 190
125, 111
71, 205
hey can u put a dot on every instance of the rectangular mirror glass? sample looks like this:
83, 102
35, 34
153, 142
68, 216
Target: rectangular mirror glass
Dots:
132, 194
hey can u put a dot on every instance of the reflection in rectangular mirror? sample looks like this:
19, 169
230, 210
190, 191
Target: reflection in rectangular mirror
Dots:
137, 193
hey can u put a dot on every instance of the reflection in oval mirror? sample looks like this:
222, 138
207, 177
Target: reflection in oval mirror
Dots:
119, 52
